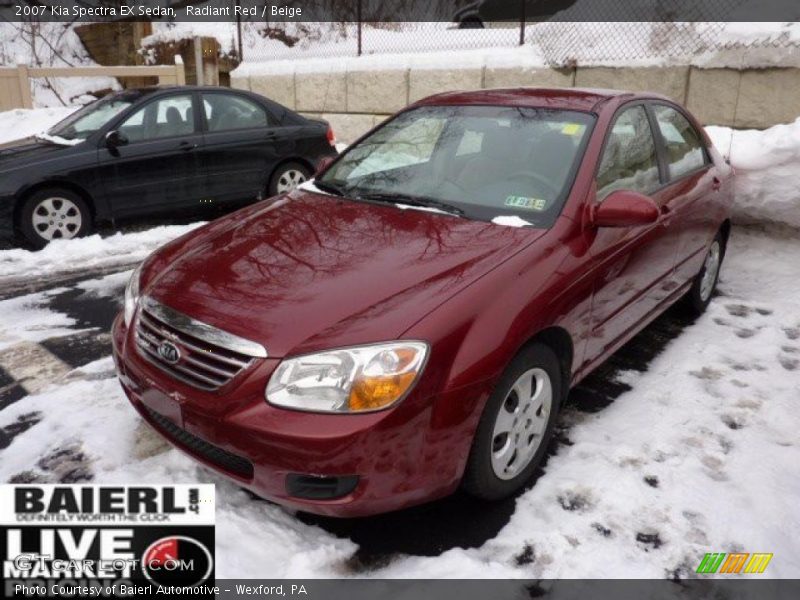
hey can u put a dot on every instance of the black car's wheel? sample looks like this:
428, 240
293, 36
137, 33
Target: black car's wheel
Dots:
705, 282
287, 177
471, 23
54, 213
516, 425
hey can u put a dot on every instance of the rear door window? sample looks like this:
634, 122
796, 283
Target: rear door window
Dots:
228, 112
684, 147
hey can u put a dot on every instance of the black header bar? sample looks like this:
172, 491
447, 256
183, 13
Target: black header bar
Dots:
486, 12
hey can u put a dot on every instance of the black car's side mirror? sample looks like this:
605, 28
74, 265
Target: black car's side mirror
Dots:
116, 138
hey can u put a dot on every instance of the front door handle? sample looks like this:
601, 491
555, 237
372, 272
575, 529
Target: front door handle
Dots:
187, 146
716, 183
666, 215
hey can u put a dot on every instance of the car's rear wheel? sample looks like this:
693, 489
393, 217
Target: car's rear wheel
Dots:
516, 426
705, 282
54, 213
287, 177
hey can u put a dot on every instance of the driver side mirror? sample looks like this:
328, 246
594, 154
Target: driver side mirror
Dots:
323, 164
116, 138
624, 208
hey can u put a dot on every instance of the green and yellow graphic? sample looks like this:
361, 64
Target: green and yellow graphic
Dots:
734, 562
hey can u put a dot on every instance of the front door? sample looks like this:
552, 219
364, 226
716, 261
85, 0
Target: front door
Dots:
158, 168
633, 265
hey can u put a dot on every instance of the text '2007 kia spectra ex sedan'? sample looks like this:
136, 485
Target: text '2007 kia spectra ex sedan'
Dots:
411, 320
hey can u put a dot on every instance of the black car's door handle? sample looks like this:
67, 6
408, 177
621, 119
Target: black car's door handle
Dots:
187, 146
270, 135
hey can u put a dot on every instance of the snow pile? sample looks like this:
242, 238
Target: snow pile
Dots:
767, 167
80, 255
22, 122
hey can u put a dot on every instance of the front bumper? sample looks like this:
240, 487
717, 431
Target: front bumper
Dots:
378, 462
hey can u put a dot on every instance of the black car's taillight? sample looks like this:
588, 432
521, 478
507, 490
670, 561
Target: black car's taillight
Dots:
331, 137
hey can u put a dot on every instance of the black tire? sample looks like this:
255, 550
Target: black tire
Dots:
480, 479
696, 300
284, 171
471, 23
72, 208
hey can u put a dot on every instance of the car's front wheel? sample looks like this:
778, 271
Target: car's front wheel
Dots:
516, 425
287, 177
54, 213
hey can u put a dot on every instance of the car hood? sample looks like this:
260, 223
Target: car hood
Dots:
29, 149
308, 271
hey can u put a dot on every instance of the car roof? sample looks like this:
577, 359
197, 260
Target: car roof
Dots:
151, 89
583, 99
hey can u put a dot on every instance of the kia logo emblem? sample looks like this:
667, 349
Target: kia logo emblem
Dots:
169, 352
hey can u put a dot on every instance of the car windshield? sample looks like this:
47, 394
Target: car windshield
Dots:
482, 162
83, 123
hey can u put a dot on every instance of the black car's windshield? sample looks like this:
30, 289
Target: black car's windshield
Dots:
485, 162
83, 123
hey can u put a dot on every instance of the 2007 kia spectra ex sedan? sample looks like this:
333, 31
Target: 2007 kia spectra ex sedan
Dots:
410, 321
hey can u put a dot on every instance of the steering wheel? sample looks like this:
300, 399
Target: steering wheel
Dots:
537, 179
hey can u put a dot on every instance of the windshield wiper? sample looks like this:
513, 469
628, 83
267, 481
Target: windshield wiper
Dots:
419, 201
331, 188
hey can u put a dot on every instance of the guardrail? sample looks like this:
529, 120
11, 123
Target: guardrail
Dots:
15, 85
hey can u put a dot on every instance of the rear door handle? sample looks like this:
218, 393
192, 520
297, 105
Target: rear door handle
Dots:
716, 183
187, 146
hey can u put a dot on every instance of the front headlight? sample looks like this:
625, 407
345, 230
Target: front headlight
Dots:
132, 294
358, 379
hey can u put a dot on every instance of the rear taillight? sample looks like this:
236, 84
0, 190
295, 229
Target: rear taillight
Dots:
331, 137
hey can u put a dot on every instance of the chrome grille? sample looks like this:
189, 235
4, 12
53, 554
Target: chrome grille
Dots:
207, 357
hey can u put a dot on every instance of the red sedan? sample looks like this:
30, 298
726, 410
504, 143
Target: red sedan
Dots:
411, 320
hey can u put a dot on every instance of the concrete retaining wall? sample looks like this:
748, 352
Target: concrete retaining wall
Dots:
356, 100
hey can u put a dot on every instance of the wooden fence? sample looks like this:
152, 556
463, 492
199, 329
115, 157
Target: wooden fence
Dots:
15, 85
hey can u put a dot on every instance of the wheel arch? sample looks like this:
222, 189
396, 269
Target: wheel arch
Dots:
725, 231
560, 342
294, 159
23, 196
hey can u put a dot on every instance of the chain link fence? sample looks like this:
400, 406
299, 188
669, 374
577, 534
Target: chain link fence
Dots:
552, 43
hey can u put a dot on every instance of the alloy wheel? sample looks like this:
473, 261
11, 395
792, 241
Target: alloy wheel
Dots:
710, 270
289, 180
521, 423
56, 218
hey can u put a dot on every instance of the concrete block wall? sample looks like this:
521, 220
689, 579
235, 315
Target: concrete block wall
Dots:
356, 100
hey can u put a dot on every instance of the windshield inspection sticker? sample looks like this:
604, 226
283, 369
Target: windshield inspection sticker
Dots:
572, 128
525, 202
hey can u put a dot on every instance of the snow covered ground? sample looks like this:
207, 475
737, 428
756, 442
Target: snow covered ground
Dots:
700, 454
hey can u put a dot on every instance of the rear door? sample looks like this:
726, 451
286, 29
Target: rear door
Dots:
158, 169
244, 142
692, 182
634, 265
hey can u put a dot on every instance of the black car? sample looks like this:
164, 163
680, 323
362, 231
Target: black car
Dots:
155, 150
476, 15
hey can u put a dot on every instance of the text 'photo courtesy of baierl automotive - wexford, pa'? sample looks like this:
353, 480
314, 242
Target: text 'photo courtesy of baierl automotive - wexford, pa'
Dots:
343, 299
